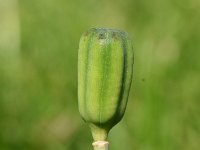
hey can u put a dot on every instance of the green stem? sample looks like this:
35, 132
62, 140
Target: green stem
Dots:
98, 133
100, 145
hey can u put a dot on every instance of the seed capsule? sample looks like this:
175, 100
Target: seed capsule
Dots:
105, 64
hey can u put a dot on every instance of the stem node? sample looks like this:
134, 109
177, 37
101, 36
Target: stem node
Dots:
100, 145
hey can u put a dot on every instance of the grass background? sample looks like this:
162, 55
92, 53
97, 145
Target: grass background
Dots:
38, 73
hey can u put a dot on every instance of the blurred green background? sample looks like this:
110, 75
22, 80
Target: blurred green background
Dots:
38, 73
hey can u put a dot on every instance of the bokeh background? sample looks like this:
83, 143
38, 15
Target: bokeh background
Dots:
38, 73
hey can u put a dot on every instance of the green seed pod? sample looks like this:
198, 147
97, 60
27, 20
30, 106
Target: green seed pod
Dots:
105, 64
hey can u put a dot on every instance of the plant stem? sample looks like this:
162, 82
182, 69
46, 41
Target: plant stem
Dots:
98, 133
100, 145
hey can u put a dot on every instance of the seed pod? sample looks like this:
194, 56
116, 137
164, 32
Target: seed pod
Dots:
105, 63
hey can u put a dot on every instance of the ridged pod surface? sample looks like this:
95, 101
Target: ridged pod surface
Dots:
105, 64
